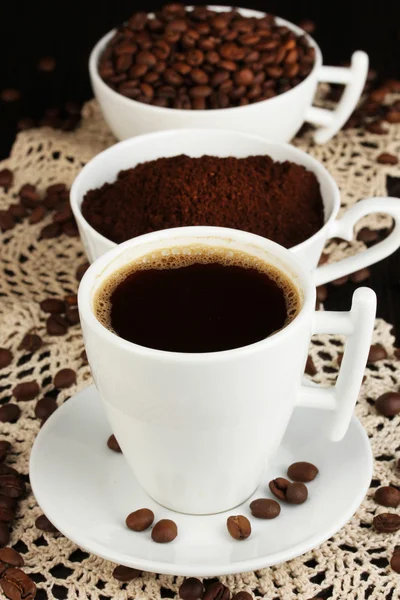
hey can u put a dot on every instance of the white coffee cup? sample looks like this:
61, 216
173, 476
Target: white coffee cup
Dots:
105, 166
278, 119
198, 429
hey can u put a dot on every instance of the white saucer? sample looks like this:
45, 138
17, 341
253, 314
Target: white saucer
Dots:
86, 491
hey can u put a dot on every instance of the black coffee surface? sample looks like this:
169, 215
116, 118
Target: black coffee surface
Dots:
198, 307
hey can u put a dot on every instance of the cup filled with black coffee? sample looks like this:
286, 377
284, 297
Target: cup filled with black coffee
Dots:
197, 338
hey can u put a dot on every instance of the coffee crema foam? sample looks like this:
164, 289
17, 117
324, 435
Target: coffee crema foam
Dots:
184, 256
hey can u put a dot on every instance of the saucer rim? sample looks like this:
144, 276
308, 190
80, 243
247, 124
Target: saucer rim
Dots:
171, 568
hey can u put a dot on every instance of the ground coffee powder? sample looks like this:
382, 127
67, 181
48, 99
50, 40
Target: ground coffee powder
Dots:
280, 201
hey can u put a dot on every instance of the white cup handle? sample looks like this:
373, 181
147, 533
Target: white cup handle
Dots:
343, 228
354, 78
357, 325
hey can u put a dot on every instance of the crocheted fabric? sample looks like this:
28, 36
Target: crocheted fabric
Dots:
354, 564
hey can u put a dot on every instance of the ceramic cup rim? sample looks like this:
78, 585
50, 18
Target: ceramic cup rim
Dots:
165, 111
322, 174
300, 277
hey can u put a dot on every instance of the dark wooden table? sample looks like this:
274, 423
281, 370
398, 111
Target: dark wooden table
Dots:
30, 31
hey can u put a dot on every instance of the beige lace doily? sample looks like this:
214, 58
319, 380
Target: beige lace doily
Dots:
354, 564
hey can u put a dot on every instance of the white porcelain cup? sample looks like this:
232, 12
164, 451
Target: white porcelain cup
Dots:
198, 429
105, 166
278, 118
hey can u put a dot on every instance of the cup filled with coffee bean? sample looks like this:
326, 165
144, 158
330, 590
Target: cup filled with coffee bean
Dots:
197, 338
184, 67
225, 179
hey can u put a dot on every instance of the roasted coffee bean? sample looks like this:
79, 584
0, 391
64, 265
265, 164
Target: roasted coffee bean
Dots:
53, 306
17, 211
376, 127
242, 596
264, 508
50, 231
17, 585
70, 229
64, 378
26, 390
63, 215
4, 535
81, 270
5, 357
7, 221
11, 557
191, 589
239, 527
45, 407
386, 523
139, 520
37, 215
395, 560
302, 471
71, 300
164, 531
9, 413
30, 342
278, 487
72, 315
29, 196
10, 95
376, 352
388, 404
6, 515
113, 444
296, 493
6, 470
387, 496
217, 591
393, 116
6, 178
361, 275
125, 574
310, 368
5, 448
43, 523
7, 502
11, 486
56, 325
387, 159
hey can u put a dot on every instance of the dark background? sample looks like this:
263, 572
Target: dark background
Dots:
67, 31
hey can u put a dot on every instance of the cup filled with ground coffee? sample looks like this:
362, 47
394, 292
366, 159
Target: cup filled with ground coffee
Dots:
225, 179
197, 338
184, 67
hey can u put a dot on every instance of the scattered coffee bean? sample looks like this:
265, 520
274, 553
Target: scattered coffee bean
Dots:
45, 407
50, 231
17, 585
71, 300
310, 368
278, 487
395, 560
387, 523
29, 196
387, 496
11, 486
264, 508
125, 574
9, 413
361, 275
376, 127
239, 527
6, 470
17, 211
139, 520
65, 378
302, 471
322, 293
242, 596
4, 535
113, 444
340, 281
7, 221
296, 493
367, 235
26, 390
30, 342
164, 531
217, 591
37, 215
72, 315
81, 270
388, 404
47, 64
6, 515
5, 357
376, 352
308, 26
56, 325
5, 448
11, 557
43, 523
387, 159
6, 178
7, 502
191, 589
10, 95
53, 306
393, 116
